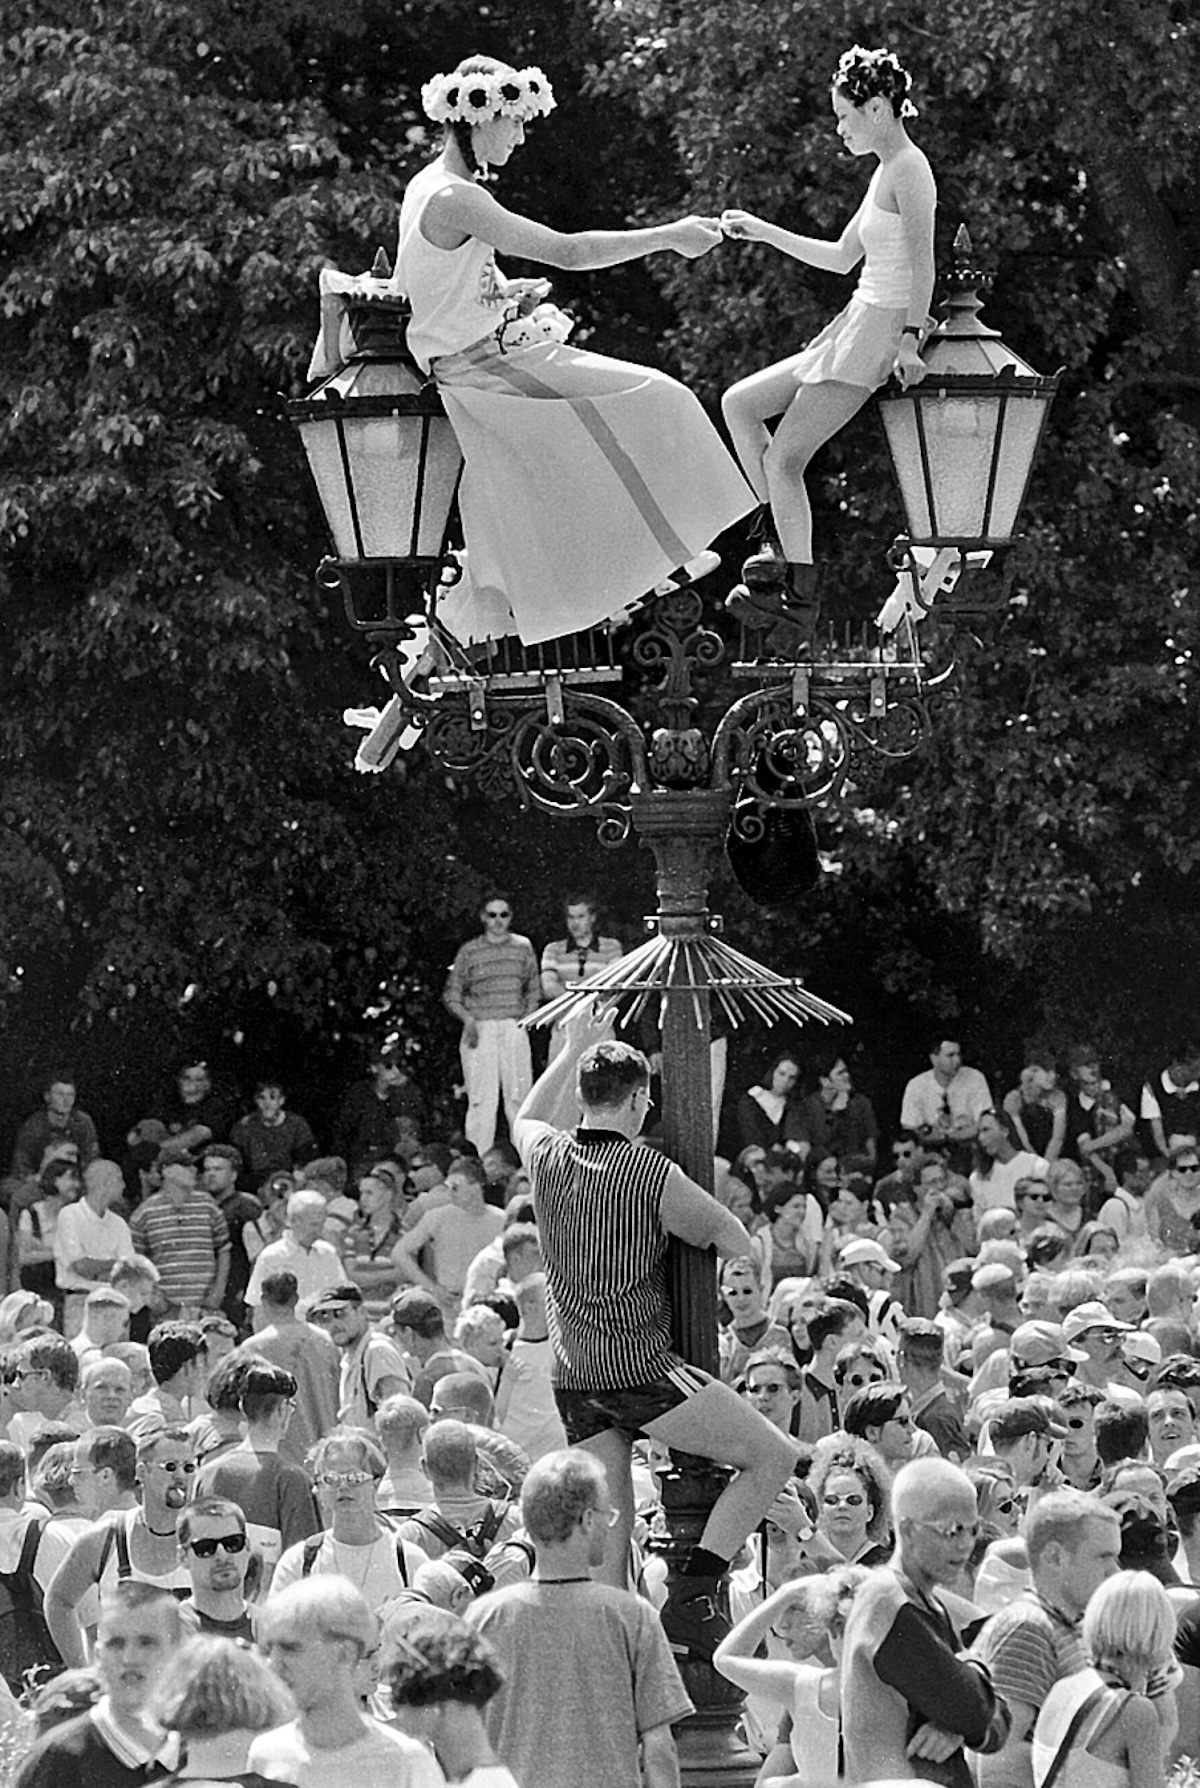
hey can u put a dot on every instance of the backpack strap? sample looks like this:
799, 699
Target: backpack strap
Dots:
487, 1529
120, 1535
105, 1551
402, 1563
29, 1551
1082, 1712
435, 1523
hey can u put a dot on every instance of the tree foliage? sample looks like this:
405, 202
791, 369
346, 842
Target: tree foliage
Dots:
184, 850
1062, 805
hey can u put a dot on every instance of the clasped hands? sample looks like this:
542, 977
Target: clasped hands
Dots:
696, 235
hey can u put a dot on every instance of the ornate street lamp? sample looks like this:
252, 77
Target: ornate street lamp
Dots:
675, 761
962, 442
386, 464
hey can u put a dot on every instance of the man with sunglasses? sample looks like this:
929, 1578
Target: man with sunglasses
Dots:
493, 983
136, 1543
1094, 1329
216, 1555
910, 1703
1073, 1544
1079, 1461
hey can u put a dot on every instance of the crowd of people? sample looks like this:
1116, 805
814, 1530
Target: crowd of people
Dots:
322, 1460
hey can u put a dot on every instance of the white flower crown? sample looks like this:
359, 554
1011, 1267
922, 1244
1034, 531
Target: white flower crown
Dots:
864, 73
500, 93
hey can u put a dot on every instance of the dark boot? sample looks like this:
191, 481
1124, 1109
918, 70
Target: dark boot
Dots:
798, 617
759, 599
696, 1617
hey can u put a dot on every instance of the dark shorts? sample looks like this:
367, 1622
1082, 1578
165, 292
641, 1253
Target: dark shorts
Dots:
588, 1413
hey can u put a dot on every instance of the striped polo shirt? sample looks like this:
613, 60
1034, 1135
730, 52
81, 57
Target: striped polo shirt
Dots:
183, 1241
495, 980
598, 1202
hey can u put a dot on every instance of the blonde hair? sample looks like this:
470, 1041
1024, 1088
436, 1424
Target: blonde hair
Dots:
213, 1685
1130, 1621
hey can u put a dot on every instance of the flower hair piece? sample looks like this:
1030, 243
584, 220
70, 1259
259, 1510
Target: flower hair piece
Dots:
476, 97
867, 74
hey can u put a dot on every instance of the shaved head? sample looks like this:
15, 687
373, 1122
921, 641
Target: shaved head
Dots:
931, 1489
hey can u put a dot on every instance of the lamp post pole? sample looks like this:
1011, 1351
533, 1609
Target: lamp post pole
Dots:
547, 728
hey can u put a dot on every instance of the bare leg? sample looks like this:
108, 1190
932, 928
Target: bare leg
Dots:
614, 1453
815, 415
748, 406
717, 1424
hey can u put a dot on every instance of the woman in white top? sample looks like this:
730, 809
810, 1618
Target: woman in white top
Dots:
587, 480
816, 392
1110, 1726
809, 1615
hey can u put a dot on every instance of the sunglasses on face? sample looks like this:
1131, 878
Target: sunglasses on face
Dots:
853, 1499
231, 1542
949, 1531
334, 1479
862, 1378
186, 1466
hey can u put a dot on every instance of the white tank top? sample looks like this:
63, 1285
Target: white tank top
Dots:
453, 292
886, 277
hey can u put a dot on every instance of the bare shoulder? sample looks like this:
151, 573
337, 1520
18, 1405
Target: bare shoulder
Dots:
1138, 1721
910, 177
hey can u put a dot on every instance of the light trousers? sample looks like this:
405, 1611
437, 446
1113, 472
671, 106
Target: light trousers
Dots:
499, 1063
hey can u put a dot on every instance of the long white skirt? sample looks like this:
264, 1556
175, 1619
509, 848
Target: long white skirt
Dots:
586, 481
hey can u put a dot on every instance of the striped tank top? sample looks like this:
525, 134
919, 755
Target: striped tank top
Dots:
598, 1202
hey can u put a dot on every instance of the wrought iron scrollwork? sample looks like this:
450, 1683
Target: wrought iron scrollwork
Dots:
585, 764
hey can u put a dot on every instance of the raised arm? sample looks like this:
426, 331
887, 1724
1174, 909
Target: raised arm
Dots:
467, 210
735, 1656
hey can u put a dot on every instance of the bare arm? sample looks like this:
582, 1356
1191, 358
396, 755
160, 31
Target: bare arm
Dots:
214, 1297
1141, 1730
404, 1254
694, 1215
660, 1759
841, 256
916, 200
734, 1657
77, 1573
468, 210
580, 1028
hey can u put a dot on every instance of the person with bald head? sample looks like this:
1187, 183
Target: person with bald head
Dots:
910, 1702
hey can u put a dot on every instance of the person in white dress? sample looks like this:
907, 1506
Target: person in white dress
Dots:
587, 480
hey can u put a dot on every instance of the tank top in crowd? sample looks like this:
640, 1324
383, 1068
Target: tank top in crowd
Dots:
886, 278
599, 1215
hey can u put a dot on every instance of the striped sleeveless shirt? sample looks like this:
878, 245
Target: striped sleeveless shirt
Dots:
598, 1202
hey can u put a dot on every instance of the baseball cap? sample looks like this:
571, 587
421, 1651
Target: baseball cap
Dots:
1024, 1415
335, 1298
994, 1276
1041, 1344
1090, 1316
861, 1251
957, 1274
1138, 1345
